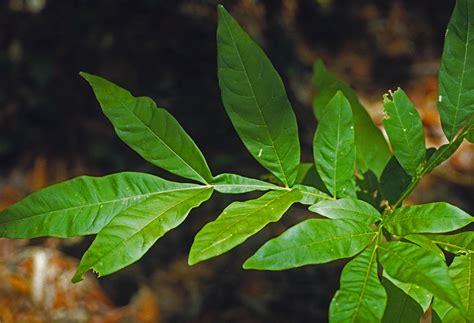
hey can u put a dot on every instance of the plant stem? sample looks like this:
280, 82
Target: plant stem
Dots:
417, 178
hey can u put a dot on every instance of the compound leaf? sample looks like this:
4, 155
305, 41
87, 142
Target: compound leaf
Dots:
347, 208
151, 131
427, 218
405, 130
409, 263
456, 74
371, 148
255, 100
313, 241
80, 206
132, 232
238, 222
236, 184
361, 297
333, 147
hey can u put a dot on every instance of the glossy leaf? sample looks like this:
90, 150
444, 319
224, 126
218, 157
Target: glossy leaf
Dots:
401, 308
333, 147
346, 208
151, 131
405, 130
255, 100
314, 241
427, 218
459, 243
415, 292
361, 297
238, 222
423, 241
393, 181
372, 150
236, 184
409, 263
461, 272
132, 232
80, 206
456, 75
311, 195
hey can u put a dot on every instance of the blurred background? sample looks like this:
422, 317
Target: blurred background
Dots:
52, 129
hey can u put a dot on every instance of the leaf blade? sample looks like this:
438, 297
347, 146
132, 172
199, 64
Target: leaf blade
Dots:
427, 218
255, 100
371, 148
409, 263
405, 130
456, 98
132, 232
461, 272
80, 206
361, 297
236, 184
238, 222
312, 241
150, 131
333, 147
347, 209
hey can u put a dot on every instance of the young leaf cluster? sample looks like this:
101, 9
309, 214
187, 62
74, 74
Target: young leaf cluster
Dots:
354, 186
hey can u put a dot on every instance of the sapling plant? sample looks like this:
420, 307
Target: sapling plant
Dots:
355, 186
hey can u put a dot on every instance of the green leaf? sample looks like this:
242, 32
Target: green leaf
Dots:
442, 154
236, 184
333, 147
132, 232
427, 218
361, 297
346, 208
401, 308
311, 195
415, 292
238, 222
307, 175
461, 272
423, 241
372, 150
459, 243
405, 130
456, 75
152, 132
394, 181
255, 100
80, 206
314, 241
409, 263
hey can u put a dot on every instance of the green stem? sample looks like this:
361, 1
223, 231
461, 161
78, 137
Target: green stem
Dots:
417, 179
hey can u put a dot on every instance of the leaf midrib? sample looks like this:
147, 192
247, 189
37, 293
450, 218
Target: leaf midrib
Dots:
286, 182
144, 196
242, 218
364, 286
463, 72
318, 242
161, 140
123, 241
